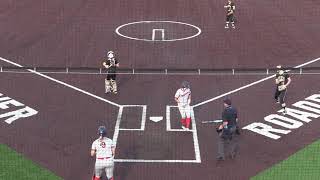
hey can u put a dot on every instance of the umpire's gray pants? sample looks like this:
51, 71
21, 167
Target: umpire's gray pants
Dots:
230, 146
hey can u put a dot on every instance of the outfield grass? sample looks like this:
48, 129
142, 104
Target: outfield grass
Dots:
303, 165
14, 166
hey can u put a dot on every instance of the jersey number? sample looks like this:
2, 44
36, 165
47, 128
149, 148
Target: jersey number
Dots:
103, 144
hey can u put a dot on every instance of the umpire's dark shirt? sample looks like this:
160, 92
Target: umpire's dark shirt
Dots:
230, 115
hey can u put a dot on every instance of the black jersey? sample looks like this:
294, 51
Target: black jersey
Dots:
231, 7
282, 78
111, 62
230, 115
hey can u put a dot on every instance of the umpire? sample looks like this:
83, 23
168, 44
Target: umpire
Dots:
227, 131
111, 64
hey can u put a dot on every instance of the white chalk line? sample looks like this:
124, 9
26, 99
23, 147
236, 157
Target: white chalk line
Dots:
117, 127
117, 31
143, 119
154, 34
251, 84
155, 161
168, 128
194, 131
62, 83
195, 137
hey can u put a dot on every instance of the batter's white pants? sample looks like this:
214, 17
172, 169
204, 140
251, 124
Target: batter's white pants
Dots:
106, 165
185, 111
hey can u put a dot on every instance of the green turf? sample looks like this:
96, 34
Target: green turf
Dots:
303, 165
14, 166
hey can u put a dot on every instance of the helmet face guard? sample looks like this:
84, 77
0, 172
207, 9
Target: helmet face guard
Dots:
185, 84
279, 67
102, 131
110, 54
280, 70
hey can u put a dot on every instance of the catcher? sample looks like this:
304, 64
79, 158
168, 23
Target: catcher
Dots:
282, 82
111, 64
230, 14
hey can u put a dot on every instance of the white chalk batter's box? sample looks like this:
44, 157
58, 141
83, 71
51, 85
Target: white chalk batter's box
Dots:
142, 109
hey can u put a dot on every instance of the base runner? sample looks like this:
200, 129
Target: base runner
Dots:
104, 149
282, 82
183, 98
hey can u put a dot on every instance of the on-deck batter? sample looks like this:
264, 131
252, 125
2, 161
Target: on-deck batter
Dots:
104, 149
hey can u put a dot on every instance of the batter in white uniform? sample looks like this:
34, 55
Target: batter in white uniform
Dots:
104, 149
183, 98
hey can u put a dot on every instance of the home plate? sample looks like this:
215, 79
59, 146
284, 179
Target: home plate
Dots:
156, 118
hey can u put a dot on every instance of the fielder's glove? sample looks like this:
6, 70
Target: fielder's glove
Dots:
218, 130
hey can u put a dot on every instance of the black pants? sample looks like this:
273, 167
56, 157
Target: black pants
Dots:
280, 95
230, 18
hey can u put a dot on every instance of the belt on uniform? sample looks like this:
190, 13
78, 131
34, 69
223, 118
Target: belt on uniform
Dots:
103, 158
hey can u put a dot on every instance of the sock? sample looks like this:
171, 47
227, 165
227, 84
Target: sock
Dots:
188, 120
183, 122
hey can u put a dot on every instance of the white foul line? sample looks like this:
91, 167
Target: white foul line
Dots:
249, 85
155, 161
62, 83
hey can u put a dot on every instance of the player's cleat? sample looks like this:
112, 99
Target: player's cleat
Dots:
284, 112
226, 27
238, 131
115, 92
233, 155
183, 128
220, 158
277, 101
233, 26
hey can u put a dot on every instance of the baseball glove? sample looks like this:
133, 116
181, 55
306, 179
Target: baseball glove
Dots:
282, 87
218, 130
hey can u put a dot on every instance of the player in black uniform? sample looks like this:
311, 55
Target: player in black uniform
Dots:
230, 14
282, 82
111, 64
227, 131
